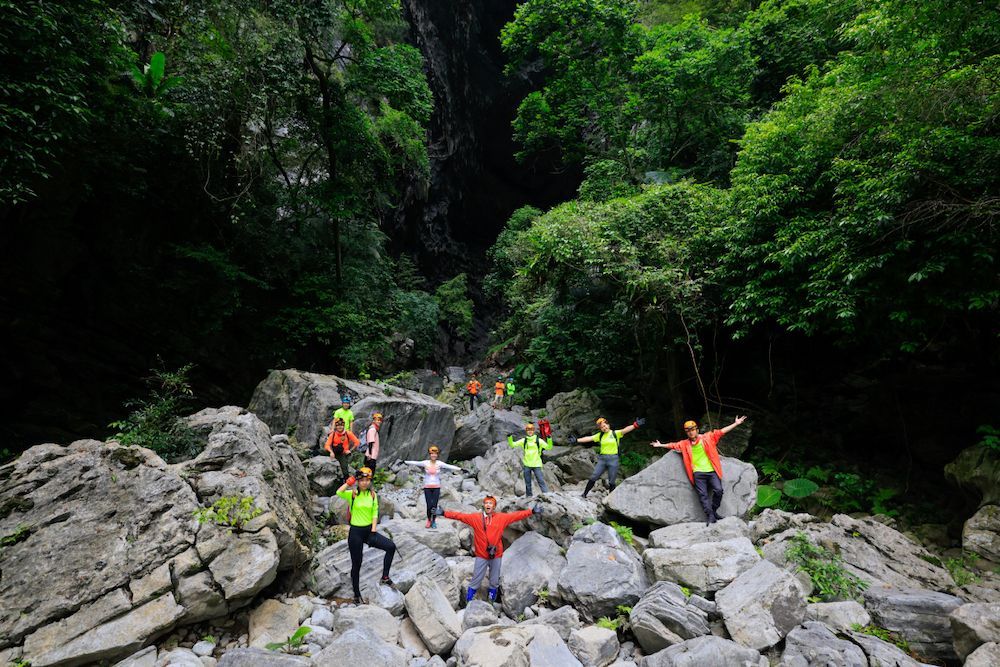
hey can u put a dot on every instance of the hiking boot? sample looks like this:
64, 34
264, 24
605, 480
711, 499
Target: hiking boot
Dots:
428, 524
359, 600
386, 581
434, 523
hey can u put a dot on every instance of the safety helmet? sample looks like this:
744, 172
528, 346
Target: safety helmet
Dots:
434, 449
376, 416
339, 421
365, 472
601, 420
690, 424
345, 399
490, 498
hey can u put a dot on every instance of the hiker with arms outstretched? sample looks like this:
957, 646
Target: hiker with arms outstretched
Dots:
432, 481
700, 454
608, 440
531, 459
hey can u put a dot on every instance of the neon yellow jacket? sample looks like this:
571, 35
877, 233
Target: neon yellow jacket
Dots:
532, 447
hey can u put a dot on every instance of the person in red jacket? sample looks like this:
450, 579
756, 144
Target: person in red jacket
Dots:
701, 462
487, 531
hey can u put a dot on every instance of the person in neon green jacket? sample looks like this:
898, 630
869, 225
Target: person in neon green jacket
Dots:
363, 509
607, 440
532, 446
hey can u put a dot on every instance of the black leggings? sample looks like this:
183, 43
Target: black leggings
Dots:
431, 497
357, 538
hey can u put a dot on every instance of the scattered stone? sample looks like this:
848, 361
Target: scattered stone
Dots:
478, 613
255, 657
563, 620
664, 616
987, 655
410, 640
594, 646
144, 658
813, 643
531, 564
180, 657
432, 615
379, 621
973, 625
704, 567
272, 621
981, 534
761, 605
203, 648
881, 653
705, 651
321, 618
536, 645
563, 513
840, 616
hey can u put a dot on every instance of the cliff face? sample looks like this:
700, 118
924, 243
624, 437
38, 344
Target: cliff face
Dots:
475, 182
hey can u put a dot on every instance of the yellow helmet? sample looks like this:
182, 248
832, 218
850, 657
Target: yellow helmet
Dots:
434, 449
690, 424
601, 420
365, 472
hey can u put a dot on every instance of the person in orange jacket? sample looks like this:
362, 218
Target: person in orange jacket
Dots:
702, 464
498, 390
487, 532
472, 387
340, 443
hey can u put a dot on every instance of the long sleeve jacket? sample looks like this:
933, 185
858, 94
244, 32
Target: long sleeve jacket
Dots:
487, 529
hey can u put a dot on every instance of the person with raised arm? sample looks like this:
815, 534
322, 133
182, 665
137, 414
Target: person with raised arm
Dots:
487, 533
700, 454
432, 481
531, 446
363, 515
608, 440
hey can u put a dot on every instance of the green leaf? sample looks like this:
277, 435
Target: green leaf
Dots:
800, 487
156, 66
767, 496
299, 634
168, 83
274, 646
139, 76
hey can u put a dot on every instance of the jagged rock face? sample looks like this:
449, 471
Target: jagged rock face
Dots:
601, 573
919, 616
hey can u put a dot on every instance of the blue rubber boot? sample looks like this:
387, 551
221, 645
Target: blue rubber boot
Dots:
492, 594
470, 594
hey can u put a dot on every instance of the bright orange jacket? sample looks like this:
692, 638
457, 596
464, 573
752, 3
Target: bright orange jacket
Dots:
345, 441
487, 531
708, 442
499, 388
473, 386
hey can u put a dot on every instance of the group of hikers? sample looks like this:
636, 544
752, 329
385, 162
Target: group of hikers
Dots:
699, 453
503, 392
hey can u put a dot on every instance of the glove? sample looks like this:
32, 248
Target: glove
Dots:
537, 509
439, 511
639, 421
351, 480
572, 439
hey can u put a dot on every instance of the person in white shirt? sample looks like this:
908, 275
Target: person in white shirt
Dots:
432, 481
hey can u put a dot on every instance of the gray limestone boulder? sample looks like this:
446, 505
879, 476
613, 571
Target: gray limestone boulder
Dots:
601, 572
383, 624
921, 617
594, 645
663, 617
987, 655
292, 401
479, 613
761, 606
840, 616
359, 646
563, 513
772, 521
573, 413
685, 534
324, 475
662, 495
881, 653
977, 473
501, 472
531, 563
564, 620
513, 646
433, 616
813, 643
981, 533
445, 539
876, 553
704, 567
477, 431
973, 625
575, 464
272, 621
705, 651
255, 657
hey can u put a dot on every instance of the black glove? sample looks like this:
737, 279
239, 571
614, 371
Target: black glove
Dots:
439, 511
537, 509
572, 439
639, 421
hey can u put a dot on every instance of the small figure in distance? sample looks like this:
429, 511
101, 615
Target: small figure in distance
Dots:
472, 387
498, 389
700, 453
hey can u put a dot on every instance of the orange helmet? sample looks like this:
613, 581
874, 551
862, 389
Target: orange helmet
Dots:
434, 449
490, 498
365, 473
601, 420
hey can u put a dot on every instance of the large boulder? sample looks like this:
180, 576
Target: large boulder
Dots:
662, 495
536, 645
359, 646
601, 572
433, 616
299, 403
255, 657
564, 620
921, 617
563, 513
973, 625
881, 653
981, 533
573, 413
575, 464
704, 651
383, 624
987, 655
702, 558
477, 431
272, 621
874, 552
813, 643
324, 475
501, 472
445, 540
841, 616
532, 563
761, 605
976, 471
663, 617
594, 646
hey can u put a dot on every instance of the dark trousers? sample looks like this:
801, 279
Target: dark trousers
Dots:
472, 402
709, 488
431, 497
370, 463
357, 538
343, 462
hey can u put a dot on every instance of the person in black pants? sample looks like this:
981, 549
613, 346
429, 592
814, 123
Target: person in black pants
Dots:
364, 528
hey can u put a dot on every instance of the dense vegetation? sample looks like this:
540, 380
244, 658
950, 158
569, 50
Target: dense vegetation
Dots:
814, 172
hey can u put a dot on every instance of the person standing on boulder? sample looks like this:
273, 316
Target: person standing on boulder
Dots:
372, 441
363, 514
344, 412
472, 387
340, 443
607, 457
487, 532
498, 389
700, 453
532, 446
510, 388
432, 481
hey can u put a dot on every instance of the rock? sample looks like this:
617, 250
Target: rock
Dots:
456, 375
201, 598
320, 637
477, 431
255, 657
813, 643
144, 658
303, 403
247, 565
495, 646
324, 475
977, 473
563, 620
987, 655
575, 464
433, 616
445, 540
359, 646
704, 567
981, 534
704, 651
871, 550
973, 625
203, 648
531, 563
838, 615
501, 472
321, 618
410, 639
919, 616
573, 413
601, 572
881, 653
662, 495
663, 616
378, 620
181, 657
771, 521
563, 513
272, 621
594, 645
387, 598
478, 613
761, 606
686, 534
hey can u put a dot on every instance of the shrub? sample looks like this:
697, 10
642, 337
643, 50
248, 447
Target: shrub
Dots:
825, 569
960, 568
624, 531
292, 642
883, 634
232, 512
